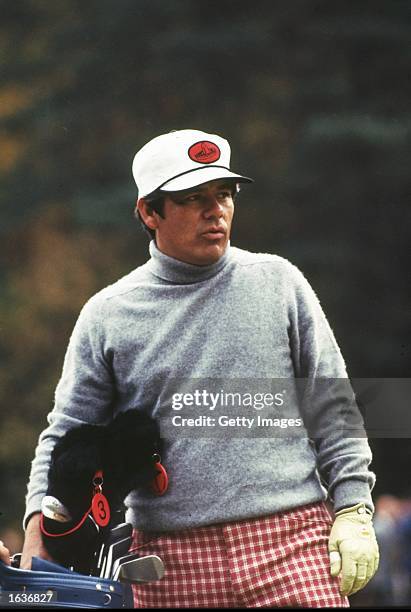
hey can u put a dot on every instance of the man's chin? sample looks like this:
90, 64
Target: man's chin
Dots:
209, 254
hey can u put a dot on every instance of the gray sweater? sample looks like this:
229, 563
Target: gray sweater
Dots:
248, 317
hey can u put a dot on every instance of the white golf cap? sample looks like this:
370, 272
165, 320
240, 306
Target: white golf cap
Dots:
182, 159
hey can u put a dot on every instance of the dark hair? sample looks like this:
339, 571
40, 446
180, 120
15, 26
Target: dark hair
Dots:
156, 201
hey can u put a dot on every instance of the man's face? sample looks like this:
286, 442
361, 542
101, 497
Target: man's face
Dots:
197, 223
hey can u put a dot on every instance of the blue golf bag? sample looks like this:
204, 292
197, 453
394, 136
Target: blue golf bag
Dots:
51, 585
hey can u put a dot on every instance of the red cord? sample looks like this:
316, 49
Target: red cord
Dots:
59, 535
97, 488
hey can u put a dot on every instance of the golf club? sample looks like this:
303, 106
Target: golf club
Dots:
135, 569
115, 550
119, 532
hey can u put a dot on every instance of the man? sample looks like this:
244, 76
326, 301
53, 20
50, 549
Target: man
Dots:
243, 522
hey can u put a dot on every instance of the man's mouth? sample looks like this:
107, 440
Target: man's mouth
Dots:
215, 233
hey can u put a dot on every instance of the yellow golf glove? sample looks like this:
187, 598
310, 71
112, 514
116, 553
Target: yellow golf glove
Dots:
353, 548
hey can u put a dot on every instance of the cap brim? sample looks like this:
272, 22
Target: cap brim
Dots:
199, 176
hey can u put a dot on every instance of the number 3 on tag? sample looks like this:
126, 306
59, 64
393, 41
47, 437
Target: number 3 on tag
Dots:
100, 510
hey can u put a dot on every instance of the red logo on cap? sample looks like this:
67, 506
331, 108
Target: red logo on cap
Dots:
204, 152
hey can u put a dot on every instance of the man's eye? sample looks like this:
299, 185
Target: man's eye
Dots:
224, 195
186, 200
192, 198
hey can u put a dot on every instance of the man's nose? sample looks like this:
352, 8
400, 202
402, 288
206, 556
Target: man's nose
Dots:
213, 207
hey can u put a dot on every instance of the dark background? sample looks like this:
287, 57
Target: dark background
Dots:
314, 97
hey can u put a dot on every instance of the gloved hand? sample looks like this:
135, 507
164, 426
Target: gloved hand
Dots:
353, 548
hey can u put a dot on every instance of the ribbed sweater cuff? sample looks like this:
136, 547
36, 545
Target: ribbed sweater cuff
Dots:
352, 492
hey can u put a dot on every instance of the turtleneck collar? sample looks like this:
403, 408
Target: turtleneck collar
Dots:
180, 272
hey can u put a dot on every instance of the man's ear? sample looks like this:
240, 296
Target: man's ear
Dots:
149, 216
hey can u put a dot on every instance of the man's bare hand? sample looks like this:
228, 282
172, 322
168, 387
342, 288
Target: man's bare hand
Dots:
33, 544
4, 554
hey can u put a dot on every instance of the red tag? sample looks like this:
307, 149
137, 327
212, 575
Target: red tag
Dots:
160, 483
100, 509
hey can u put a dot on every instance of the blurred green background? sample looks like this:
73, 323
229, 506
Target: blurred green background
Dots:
314, 97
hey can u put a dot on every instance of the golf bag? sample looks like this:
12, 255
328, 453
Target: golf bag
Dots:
51, 585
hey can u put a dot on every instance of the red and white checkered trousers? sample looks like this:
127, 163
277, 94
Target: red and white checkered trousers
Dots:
276, 561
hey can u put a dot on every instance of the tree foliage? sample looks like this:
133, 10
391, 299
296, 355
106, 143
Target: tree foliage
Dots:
313, 97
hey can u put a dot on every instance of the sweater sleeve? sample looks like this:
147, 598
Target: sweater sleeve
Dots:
328, 405
84, 394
